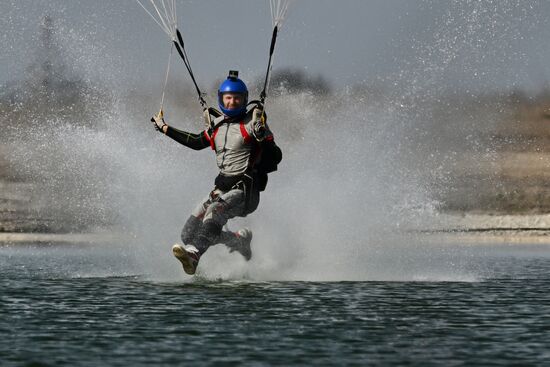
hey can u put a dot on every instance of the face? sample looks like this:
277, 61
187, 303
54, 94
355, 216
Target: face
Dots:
232, 101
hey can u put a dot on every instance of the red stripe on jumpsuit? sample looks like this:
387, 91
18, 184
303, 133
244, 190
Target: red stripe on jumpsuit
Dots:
211, 138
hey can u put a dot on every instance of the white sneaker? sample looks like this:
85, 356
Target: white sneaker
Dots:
188, 256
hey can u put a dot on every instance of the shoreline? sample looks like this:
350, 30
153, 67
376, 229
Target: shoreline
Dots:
48, 239
466, 228
504, 237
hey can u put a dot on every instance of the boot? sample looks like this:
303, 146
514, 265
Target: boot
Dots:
241, 243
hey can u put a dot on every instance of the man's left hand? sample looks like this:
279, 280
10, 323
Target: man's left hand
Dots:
259, 123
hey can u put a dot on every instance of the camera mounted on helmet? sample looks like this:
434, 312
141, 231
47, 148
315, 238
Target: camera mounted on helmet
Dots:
237, 95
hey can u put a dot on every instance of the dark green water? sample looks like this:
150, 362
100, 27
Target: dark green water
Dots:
52, 315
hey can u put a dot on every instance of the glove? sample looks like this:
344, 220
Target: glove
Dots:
207, 118
158, 121
258, 118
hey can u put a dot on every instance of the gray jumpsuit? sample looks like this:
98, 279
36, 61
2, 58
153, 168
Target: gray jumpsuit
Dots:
237, 187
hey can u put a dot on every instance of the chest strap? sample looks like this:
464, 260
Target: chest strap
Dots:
245, 133
213, 138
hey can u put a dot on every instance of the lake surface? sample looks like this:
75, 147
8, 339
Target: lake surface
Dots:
54, 311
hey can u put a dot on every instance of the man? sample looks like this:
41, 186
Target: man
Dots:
245, 153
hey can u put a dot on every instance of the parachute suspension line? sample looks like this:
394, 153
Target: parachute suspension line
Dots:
170, 15
165, 17
166, 77
164, 14
278, 9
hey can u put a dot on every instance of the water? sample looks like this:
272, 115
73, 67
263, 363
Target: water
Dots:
91, 307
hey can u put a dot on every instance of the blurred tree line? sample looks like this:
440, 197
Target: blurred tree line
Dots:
51, 92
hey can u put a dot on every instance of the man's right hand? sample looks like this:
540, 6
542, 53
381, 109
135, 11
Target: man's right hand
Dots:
158, 122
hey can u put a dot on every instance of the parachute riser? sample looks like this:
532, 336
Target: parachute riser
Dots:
180, 46
263, 94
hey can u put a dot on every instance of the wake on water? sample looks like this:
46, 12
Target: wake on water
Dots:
350, 185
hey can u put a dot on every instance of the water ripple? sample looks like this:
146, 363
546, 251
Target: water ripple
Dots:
129, 320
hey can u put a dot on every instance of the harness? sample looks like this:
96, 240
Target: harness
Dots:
254, 179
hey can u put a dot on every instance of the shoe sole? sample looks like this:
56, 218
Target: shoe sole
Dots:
186, 261
249, 248
248, 254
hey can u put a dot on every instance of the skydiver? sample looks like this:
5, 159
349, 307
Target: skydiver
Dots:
245, 153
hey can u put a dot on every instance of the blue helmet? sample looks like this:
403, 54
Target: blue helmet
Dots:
233, 85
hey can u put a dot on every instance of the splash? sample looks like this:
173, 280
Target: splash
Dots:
361, 168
